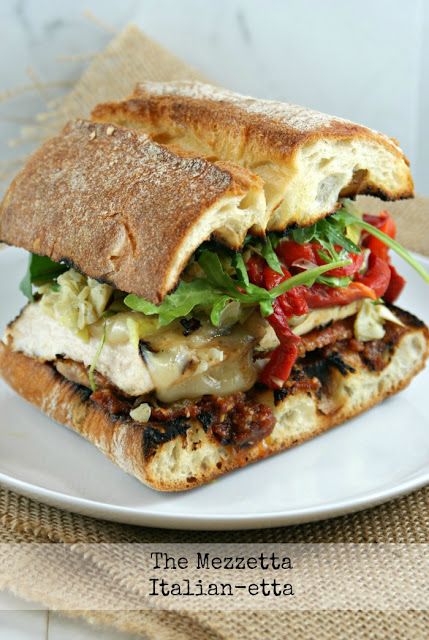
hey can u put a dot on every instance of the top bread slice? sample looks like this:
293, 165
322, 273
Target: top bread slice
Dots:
307, 159
126, 210
127, 197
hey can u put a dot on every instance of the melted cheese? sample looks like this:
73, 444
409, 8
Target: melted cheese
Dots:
178, 367
318, 317
208, 361
301, 325
202, 363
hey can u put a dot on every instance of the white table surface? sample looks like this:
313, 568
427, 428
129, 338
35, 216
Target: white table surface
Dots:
328, 55
19, 622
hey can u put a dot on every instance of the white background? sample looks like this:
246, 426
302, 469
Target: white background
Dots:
367, 61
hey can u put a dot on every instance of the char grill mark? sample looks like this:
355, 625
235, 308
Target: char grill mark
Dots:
155, 435
336, 361
238, 420
190, 325
279, 395
233, 420
406, 317
206, 419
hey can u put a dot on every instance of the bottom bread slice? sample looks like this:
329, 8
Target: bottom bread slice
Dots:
177, 458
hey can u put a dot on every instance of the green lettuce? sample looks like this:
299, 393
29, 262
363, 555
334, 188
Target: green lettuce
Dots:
222, 273
187, 296
40, 270
328, 232
218, 288
266, 249
214, 291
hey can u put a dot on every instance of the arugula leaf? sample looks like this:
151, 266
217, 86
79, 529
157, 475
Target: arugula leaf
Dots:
351, 219
239, 290
218, 289
328, 232
242, 290
25, 285
302, 235
265, 248
270, 255
225, 278
211, 293
40, 270
324, 256
333, 229
335, 281
241, 270
266, 307
136, 303
212, 267
180, 303
308, 277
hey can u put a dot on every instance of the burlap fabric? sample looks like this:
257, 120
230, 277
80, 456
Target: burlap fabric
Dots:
129, 58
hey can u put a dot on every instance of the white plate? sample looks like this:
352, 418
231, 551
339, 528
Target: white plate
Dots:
372, 458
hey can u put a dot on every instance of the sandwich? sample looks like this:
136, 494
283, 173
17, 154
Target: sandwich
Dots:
203, 291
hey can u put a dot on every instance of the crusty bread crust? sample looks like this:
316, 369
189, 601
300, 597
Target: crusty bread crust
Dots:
126, 210
306, 158
130, 211
188, 458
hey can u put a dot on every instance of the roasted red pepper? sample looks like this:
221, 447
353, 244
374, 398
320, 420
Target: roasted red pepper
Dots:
272, 278
377, 276
293, 301
255, 269
380, 280
320, 295
385, 223
277, 370
290, 251
350, 269
296, 300
279, 322
395, 287
382, 221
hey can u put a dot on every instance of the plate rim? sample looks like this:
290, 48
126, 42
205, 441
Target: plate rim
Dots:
213, 522
265, 520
